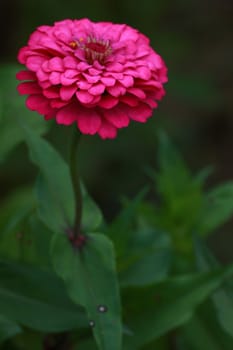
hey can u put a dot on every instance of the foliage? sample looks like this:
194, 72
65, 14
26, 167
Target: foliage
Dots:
146, 281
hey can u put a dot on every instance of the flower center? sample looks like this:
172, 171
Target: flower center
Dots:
95, 49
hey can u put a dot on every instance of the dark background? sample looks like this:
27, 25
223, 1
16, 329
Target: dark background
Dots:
195, 39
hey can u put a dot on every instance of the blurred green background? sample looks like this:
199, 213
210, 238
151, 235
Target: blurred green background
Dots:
195, 39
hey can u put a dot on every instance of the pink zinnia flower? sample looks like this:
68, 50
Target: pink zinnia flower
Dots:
98, 75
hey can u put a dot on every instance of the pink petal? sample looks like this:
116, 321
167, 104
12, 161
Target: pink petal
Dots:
67, 92
107, 130
57, 103
151, 103
44, 84
45, 67
160, 94
67, 115
108, 101
71, 73
93, 71
26, 75
38, 103
67, 81
56, 64
140, 113
63, 35
82, 66
34, 62
55, 78
117, 116
108, 81
130, 71
95, 100
51, 47
89, 121
22, 55
80, 55
163, 74
130, 100
84, 96
70, 62
127, 81
29, 88
49, 116
41, 75
97, 89
150, 83
91, 79
51, 92
116, 76
142, 52
116, 90
144, 73
83, 85
137, 92
115, 67
98, 66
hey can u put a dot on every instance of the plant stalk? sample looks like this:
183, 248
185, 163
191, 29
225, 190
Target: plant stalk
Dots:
75, 177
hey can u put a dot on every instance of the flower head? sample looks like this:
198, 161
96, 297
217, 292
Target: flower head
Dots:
98, 75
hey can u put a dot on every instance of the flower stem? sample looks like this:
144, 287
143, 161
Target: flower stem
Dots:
74, 171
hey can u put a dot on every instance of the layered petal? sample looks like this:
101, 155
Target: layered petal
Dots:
89, 121
100, 76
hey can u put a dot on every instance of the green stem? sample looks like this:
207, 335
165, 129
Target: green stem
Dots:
74, 171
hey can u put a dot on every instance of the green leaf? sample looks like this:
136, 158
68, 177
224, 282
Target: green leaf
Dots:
204, 258
41, 237
218, 208
148, 258
55, 191
143, 253
90, 276
54, 188
223, 301
92, 215
199, 337
179, 190
204, 332
37, 299
47, 203
8, 329
23, 237
14, 112
17, 243
223, 297
181, 194
123, 226
14, 236
167, 305
16, 206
